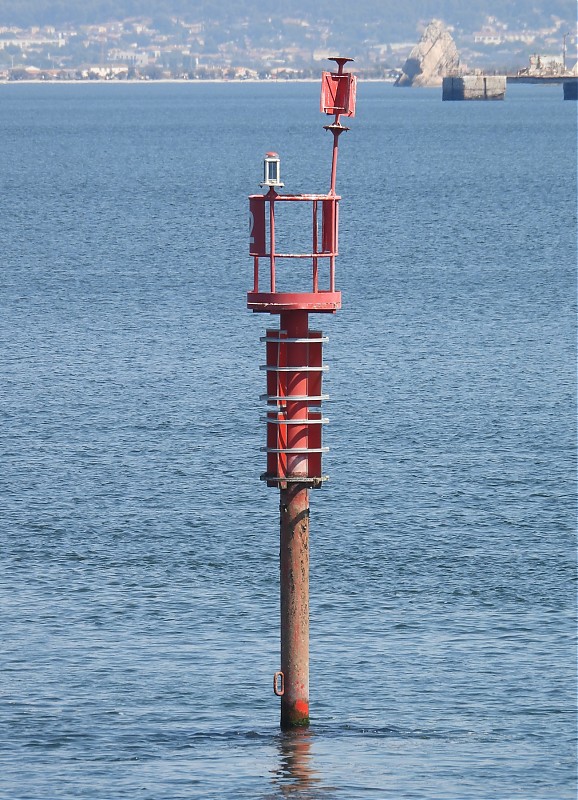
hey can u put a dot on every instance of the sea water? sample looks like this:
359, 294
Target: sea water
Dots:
139, 550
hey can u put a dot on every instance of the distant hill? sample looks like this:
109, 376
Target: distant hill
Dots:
384, 19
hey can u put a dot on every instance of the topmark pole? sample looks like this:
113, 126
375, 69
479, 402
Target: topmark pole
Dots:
294, 388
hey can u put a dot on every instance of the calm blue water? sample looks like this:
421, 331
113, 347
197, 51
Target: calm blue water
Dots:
138, 571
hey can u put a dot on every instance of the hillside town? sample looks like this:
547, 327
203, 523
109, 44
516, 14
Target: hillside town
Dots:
175, 49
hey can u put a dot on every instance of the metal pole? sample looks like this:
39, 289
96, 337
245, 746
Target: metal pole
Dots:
334, 158
271, 195
294, 535
294, 570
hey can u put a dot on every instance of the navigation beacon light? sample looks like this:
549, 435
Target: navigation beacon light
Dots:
294, 368
271, 170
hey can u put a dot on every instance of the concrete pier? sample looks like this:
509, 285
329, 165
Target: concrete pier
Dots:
474, 87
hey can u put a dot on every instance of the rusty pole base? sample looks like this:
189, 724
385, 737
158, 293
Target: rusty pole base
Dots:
294, 567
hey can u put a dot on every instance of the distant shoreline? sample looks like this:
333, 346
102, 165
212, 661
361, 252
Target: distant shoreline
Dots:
180, 81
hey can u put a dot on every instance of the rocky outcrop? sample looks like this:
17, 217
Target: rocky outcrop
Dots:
433, 57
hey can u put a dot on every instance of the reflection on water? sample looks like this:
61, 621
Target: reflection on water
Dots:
295, 774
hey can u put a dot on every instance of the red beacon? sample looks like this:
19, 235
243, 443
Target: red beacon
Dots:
294, 377
294, 353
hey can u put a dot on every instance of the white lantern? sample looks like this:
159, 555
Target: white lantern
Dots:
271, 170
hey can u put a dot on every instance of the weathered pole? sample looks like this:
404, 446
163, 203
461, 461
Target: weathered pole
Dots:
294, 531
294, 390
294, 584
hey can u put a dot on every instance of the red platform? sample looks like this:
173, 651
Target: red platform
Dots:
266, 258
